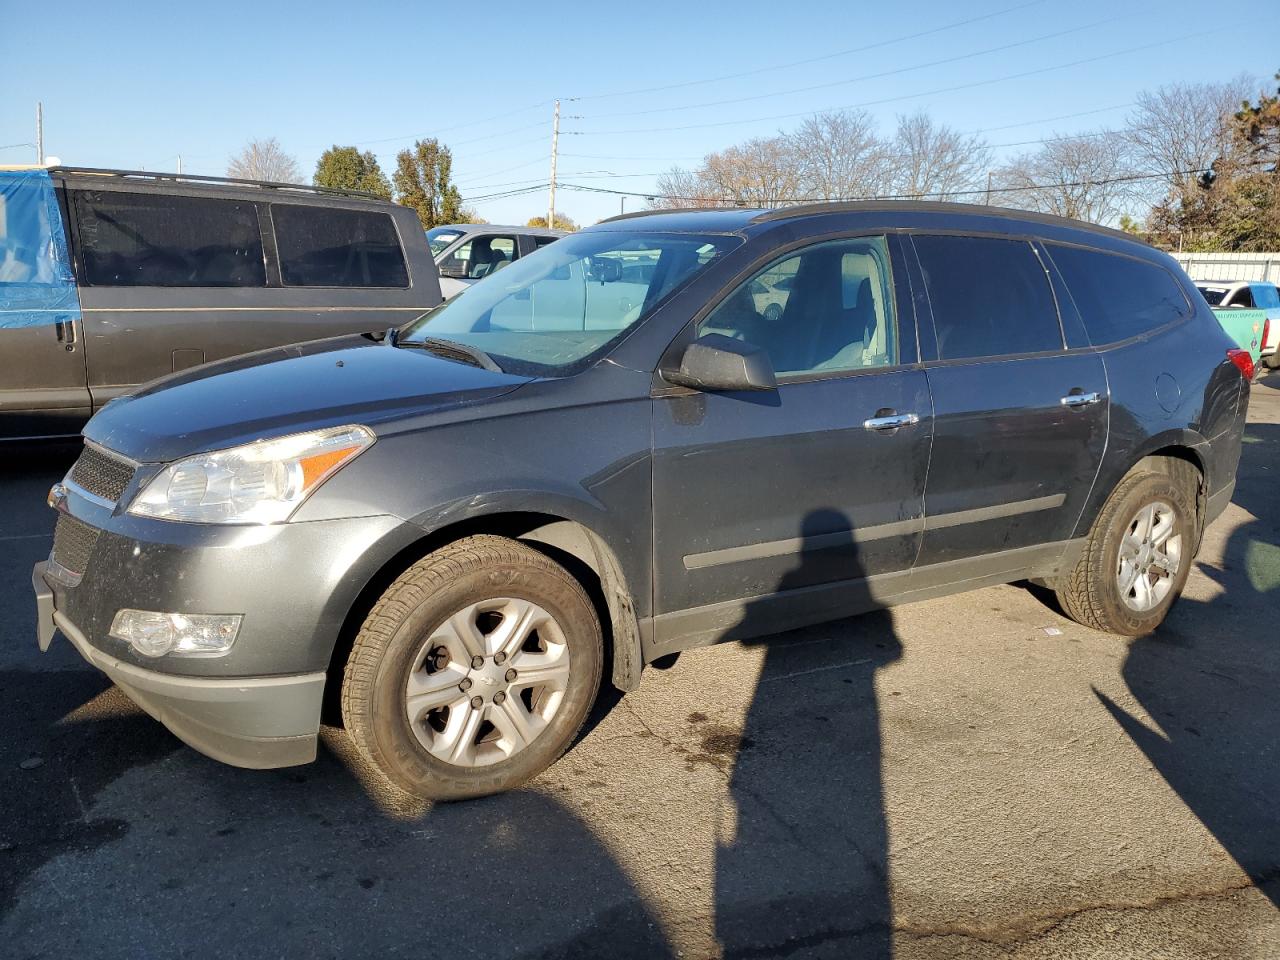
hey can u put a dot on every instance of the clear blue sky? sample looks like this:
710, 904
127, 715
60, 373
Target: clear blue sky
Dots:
135, 85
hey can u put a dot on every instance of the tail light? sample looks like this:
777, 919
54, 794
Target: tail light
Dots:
1266, 334
1243, 362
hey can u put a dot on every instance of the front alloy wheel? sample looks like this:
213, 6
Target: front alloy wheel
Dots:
474, 670
487, 682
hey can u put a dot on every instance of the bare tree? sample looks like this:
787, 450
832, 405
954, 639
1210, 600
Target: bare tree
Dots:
264, 160
933, 160
759, 173
1078, 177
679, 189
1184, 127
840, 156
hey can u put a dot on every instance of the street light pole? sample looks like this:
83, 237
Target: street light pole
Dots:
40, 133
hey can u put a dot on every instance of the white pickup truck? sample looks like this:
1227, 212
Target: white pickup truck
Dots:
467, 252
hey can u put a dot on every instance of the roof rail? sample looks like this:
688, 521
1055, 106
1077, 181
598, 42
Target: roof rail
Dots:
935, 206
663, 212
229, 181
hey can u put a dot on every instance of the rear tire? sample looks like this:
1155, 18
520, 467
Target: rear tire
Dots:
474, 671
1137, 556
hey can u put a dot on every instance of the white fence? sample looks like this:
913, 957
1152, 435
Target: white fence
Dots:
1231, 266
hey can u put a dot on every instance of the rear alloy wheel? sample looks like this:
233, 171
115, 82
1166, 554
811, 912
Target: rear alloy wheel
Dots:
1138, 555
474, 671
1150, 558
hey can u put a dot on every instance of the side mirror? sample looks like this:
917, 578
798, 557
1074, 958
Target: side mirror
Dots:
454, 269
718, 363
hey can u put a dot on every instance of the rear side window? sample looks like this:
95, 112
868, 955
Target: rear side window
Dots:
1241, 298
324, 247
990, 297
1118, 297
540, 242
163, 240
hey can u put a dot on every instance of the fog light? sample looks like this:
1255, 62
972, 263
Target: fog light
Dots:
181, 634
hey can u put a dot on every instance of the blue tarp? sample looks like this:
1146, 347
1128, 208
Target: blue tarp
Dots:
37, 286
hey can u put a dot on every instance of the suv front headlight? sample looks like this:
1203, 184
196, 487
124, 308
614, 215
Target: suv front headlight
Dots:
260, 482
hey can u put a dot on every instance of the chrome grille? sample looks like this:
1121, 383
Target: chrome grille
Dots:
73, 543
101, 474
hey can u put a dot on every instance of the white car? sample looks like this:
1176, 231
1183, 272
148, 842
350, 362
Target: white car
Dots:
467, 252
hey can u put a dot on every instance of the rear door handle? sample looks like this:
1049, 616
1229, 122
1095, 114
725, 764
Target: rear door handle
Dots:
1080, 399
891, 422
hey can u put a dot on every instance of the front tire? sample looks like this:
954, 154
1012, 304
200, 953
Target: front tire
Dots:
1136, 558
474, 671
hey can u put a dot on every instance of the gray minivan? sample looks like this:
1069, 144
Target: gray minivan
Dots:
110, 279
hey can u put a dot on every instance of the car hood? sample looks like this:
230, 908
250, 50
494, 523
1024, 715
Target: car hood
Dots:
288, 390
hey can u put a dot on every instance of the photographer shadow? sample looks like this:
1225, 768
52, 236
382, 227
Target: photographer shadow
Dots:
804, 862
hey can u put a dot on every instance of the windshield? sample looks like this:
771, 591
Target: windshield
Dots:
439, 238
555, 309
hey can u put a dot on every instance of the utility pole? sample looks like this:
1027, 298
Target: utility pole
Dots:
179, 164
40, 133
623, 204
988, 188
555, 145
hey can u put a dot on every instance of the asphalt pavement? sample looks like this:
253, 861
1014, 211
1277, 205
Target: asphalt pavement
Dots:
973, 777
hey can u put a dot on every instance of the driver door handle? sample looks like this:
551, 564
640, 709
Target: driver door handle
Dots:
1080, 399
891, 422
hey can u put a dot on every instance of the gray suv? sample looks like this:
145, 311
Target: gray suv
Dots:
449, 535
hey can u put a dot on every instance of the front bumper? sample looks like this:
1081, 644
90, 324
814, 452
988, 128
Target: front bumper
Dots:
244, 721
294, 584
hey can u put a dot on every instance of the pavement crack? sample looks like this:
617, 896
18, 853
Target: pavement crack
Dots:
1038, 928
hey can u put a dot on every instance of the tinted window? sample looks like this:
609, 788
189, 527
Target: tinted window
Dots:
324, 247
828, 308
162, 240
990, 297
1212, 295
1241, 298
540, 242
1118, 297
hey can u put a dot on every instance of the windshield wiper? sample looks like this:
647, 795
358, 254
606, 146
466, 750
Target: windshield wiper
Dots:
452, 350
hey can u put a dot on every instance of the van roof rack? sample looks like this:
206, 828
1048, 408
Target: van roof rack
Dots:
228, 181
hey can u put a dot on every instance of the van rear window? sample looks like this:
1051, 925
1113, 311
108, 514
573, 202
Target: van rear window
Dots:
324, 247
1118, 297
163, 240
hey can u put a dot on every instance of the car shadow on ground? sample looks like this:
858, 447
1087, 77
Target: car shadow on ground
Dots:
1213, 693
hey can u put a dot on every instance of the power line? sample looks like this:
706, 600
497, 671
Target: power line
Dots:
869, 76
1125, 178
967, 133
707, 80
913, 96
440, 130
827, 56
